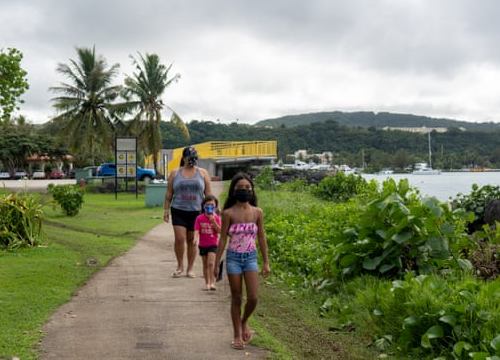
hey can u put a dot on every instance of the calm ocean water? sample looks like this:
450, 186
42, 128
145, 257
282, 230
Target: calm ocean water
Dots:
445, 185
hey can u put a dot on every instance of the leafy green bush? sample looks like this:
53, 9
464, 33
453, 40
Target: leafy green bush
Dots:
341, 187
298, 185
69, 197
301, 230
398, 231
265, 179
425, 316
20, 221
477, 200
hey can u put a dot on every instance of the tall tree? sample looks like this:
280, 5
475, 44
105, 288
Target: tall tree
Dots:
144, 91
13, 82
87, 103
16, 144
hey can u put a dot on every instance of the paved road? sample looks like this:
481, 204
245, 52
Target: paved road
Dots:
134, 309
32, 185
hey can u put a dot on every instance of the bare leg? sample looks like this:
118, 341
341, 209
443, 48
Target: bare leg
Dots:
180, 239
252, 287
236, 289
210, 269
206, 273
191, 251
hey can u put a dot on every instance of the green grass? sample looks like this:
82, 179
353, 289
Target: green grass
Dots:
35, 282
288, 323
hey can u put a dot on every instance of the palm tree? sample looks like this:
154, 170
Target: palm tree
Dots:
143, 93
86, 103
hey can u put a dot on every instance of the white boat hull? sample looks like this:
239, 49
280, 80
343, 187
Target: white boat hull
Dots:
427, 172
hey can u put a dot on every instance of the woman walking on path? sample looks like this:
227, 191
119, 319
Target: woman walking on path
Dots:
186, 189
243, 222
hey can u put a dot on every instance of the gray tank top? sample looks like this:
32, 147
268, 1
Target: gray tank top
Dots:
188, 192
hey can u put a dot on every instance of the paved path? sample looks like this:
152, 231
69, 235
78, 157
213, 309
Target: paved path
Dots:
134, 309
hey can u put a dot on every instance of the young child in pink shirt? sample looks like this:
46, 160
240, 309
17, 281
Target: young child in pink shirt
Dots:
207, 226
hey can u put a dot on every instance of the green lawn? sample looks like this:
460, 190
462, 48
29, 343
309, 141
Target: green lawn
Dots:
34, 282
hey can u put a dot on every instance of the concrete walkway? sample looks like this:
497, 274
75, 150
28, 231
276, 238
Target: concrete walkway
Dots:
134, 309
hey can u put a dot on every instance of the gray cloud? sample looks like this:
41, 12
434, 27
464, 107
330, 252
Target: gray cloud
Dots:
249, 60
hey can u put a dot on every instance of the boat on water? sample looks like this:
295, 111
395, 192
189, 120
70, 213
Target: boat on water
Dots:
424, 168
385, 172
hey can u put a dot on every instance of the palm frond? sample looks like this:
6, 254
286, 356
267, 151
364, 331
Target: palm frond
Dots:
177, 122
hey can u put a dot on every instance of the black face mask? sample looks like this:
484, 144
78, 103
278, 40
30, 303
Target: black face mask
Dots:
243, 195
192, 161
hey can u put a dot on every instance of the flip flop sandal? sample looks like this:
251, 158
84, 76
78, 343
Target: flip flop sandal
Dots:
177, 273
213, 288
190, 275
238, 345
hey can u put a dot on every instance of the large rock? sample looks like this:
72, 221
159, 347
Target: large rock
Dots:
492, 212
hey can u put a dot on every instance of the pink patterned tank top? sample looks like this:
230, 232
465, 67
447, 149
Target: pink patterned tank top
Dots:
243, 237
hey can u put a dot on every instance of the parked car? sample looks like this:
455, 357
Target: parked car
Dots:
20, 174
4, 175
93, 170
39, 174
56, 174
109, 169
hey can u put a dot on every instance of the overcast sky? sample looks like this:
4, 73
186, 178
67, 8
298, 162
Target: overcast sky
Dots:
251, 60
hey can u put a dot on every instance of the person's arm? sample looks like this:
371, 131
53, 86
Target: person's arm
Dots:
168, 197
197, 231
215, 222
222, 242
261, 235
208, 183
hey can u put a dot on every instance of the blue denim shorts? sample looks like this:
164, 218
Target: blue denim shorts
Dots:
238, 263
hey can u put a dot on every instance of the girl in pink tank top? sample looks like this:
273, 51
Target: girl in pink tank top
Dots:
242, 222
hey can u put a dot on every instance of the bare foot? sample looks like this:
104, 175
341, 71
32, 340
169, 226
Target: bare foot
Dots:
212, 287
246, 333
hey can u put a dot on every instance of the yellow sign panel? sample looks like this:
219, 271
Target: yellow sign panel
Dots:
125, 171
121, 157
121, 171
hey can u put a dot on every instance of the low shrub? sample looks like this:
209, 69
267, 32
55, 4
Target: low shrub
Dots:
300, 231
310, 177
341, 187
20, 221
265, 179
108, 187
298, 185
398, 231
424, 316
476, 202
69, 197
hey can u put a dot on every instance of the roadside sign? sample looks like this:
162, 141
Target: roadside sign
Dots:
125, 161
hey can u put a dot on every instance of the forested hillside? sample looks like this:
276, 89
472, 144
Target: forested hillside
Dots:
453, 149
378, 120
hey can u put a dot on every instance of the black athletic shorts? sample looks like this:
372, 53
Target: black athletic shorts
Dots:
184, 218
205, 250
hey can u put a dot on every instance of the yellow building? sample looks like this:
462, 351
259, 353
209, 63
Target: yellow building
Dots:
219, 157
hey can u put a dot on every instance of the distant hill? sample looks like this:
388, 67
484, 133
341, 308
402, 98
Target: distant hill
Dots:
377, 120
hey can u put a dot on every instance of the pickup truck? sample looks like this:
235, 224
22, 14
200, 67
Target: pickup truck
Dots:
109, 169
